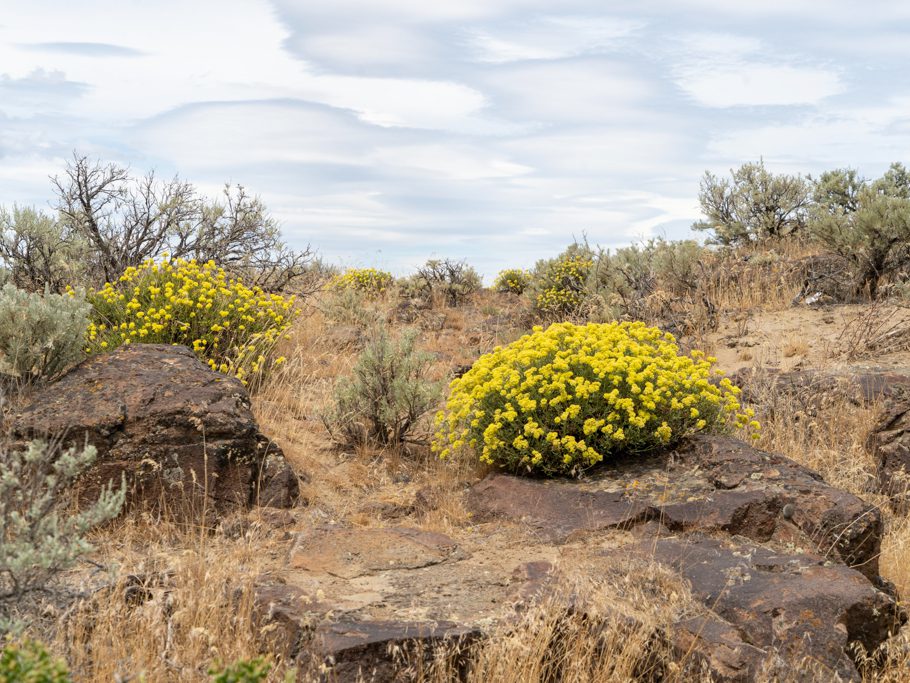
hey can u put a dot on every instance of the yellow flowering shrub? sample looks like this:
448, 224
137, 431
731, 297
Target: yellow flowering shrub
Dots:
561, 285
512, 281
367, 280
560, 400
232, 327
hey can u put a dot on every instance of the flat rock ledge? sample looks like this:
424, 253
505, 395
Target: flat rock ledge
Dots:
783, 568
183, 437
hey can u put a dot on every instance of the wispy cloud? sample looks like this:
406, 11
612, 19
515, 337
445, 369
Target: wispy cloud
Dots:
552, 37
726, 70
84, 49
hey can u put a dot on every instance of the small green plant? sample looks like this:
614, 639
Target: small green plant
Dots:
232, 327
242, 671
512, 281
560, 400
351, 306
380, 404
29, 661
41, 336
370, 281
37, 541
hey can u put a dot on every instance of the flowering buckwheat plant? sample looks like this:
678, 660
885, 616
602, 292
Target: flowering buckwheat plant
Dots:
560, 400
562, 289
512, 281
367, 280
234, 328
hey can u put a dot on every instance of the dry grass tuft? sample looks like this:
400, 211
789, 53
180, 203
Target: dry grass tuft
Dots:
592, 630
831, 440
180, 600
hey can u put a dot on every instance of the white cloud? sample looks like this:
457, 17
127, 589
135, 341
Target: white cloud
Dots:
553, 37
757, 84
373, 45
722, 70
456, 162
576, 90
215, 52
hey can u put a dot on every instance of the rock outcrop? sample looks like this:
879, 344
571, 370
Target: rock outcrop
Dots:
782, 567
812, 392
181, 435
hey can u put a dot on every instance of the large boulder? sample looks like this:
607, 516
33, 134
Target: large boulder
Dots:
795, 607
782, 568
182, 436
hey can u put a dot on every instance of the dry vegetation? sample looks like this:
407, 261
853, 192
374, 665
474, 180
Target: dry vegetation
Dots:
196, 583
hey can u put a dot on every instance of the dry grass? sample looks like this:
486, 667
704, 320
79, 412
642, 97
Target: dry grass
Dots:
875, 330
197, 609
179, 601
795, 347
607, 629
756, 276
831, 440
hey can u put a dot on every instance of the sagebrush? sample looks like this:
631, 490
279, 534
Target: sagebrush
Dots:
41, 336
39, 539
387, 393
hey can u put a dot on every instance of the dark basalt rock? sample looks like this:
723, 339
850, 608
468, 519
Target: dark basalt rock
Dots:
183, 436
782, 570
797, 605
712, 484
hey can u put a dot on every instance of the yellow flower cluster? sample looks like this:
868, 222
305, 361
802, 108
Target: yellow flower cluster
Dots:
367, 280
560, 400
234, 328
512, 281
562, 290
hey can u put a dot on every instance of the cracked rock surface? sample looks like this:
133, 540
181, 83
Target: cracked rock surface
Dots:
784, 566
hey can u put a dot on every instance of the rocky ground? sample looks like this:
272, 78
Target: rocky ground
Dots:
715, 561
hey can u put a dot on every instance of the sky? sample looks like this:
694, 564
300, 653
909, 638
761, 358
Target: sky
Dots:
386, 132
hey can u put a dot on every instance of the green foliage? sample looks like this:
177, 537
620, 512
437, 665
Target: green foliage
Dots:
387, 394
452, 281
560, 286
558, 401
30, 662
37, 541
40, 336
231, 326
39, 251
836, 192
867, 223
753, 204
370, 281
512, 281
243, 671
585, 283
656, 270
